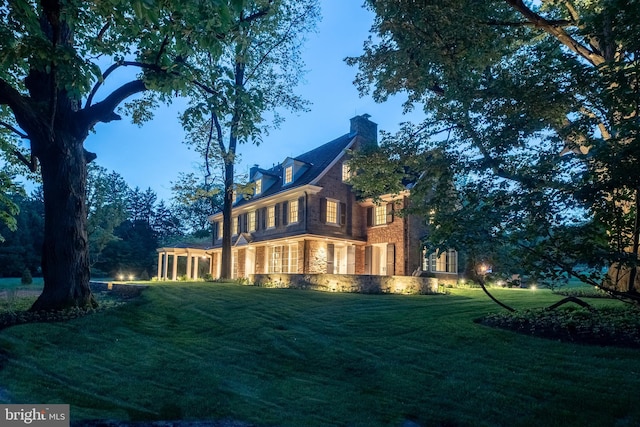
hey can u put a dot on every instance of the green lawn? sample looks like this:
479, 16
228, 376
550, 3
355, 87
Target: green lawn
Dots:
278, 357
14, 282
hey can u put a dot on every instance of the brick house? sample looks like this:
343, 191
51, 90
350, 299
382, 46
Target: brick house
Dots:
304, 218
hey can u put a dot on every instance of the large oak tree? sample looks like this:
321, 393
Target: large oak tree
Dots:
539, 103
54, 58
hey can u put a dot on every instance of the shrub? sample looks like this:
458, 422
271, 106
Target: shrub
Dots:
144, 275
26, 279
583, 293
605, 326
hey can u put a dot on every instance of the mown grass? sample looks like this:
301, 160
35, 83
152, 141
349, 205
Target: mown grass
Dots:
277, 357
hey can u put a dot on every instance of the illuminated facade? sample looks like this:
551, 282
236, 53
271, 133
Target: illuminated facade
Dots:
304, 218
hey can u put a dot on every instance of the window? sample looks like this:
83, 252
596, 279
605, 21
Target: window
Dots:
445, 262
234, 264
234, 225
258, 186
283, 259
293, 211
332, 211
346, 172
380, 215
271, 216
288, 175
251, 219
220, 228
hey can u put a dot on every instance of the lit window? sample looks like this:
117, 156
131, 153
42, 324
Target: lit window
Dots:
220, 228
251, 219
288, 174
346, 172
445, 262
234, 225
332, 211
271, 216
259, 186
381, 215
283, 259
293, 211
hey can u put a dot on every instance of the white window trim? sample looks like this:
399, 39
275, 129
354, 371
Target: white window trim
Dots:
383, 209
337, 219
251, 221
284, 175
270, 209
297, 211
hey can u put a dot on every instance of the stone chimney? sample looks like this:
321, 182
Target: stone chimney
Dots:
365, 128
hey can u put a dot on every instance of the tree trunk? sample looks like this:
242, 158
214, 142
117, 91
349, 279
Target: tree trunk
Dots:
65, 251
227, 207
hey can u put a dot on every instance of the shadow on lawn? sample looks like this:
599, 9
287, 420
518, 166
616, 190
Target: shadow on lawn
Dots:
17, 312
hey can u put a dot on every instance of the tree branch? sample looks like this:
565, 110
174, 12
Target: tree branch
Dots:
14, 130
103, 30
103, 111
32, 163
557, 23
10, 97
558, 32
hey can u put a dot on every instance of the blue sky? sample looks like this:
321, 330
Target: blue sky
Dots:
153, 155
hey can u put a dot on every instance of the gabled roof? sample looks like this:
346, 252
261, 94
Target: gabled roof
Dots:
274, 171
318, 160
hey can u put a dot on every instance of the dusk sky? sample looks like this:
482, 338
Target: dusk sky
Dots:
153, 155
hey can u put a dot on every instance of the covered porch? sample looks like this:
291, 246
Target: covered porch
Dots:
192, 263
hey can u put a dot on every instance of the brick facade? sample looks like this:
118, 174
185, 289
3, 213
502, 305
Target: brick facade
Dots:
321, 194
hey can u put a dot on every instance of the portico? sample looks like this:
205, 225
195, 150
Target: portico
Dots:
192, 270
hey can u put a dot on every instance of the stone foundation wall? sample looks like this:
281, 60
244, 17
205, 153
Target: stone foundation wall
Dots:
364, 284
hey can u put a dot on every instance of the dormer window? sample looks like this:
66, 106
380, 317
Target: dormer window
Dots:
258, 186
292, 169
288, 174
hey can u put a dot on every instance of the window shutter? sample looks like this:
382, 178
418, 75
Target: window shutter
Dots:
215, 231
255, 220
245, 223
391, 259
276, 215
368, 255
263, 218
323, 210
343, 213
300, 208
389, 213
285, 213
369, 217
330, 252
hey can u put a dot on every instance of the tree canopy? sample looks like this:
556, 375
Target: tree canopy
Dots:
532, 114
55, 59
241, 95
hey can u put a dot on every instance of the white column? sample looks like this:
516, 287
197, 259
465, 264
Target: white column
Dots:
175, 267
159, 264
165, 265
195, 267
189, 266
